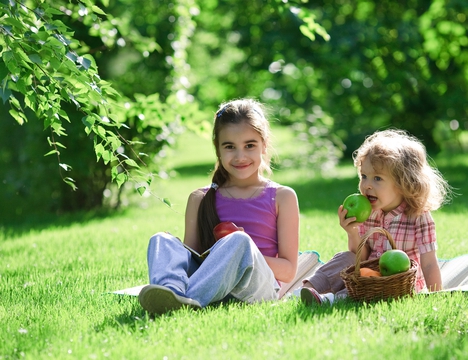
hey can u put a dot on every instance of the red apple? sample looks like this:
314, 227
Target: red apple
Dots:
224, 228
358, 206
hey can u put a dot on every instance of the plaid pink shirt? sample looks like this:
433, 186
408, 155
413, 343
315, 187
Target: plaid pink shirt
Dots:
415, 236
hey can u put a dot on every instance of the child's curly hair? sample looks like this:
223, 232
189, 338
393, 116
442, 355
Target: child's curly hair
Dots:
404, 157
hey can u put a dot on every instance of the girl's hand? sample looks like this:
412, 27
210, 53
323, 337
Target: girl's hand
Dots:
348, 224
351, 227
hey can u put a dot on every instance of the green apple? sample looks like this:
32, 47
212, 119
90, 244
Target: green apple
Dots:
358, 206
393, 262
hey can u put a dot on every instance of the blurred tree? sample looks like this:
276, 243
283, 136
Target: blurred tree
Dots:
47, 72
393, 65
383, 64
125, 77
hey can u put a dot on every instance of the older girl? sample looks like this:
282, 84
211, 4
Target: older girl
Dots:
246, 265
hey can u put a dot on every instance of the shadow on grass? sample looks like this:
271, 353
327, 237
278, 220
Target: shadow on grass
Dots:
457, 175
195, 170
323, 194
17, 226
346, 305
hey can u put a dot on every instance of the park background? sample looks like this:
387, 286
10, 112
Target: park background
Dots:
119, 81
106, 119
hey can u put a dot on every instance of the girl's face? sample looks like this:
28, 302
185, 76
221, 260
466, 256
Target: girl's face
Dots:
379, 187
240, 151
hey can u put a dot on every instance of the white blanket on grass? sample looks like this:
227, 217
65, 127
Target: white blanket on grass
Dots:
454, 274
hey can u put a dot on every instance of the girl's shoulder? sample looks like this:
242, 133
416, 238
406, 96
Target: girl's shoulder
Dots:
424, 218
198, 194
283, 192
278, 186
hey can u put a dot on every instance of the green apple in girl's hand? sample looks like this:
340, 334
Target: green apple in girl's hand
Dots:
393, 262
358, 206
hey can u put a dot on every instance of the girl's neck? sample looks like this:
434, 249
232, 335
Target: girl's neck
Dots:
243, 190
245, 183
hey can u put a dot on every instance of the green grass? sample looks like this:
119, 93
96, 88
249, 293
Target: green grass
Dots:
55, 275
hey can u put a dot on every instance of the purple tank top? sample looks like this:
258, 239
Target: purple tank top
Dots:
257, 216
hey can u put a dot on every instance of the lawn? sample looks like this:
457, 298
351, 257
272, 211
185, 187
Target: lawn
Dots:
56, 275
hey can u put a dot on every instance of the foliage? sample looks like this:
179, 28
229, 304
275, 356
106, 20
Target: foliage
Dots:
55, 304
393, 76
380, 65
47, 73
125, 78
40, 63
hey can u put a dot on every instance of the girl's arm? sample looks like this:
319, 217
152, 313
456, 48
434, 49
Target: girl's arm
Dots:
191, 227
285, 265
431, 271
351, 227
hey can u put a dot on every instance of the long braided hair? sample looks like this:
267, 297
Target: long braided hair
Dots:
234, 112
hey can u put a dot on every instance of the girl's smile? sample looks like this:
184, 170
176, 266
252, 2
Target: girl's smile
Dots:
240, 151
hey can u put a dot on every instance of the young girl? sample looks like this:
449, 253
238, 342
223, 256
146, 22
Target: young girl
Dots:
245, 265
402, 189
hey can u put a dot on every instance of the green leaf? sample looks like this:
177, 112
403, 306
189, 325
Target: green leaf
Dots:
131, 162
141, 190
53, 11
88, 122
114, 172
120, 179
18, 116
65, 166
107, 156
85, 63
99, 130
306, 32
15, 102
63, 114
99, 150
69, 181
97, 10
56, 143
35, 58
30, 101
13, 22
52, 152
115, 143
72, 56
167, 202
5, 93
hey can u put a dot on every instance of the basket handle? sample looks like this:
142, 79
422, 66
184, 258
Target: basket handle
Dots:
363, 242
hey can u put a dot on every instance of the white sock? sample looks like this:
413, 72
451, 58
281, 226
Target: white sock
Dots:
330, 297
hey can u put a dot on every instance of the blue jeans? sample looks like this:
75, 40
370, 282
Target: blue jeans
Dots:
234, 268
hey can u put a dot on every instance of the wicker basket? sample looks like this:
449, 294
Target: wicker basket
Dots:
365, 288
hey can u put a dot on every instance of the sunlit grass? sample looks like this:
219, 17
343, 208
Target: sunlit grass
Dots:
55, 278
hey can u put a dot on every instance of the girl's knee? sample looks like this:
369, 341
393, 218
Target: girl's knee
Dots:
238, 239
161, 238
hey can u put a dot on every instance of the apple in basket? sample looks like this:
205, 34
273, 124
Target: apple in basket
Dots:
358, 206
224, 228
394, 262
369, 272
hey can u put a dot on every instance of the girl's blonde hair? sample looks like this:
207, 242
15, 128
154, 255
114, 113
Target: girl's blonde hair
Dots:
239, 111
404, 157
